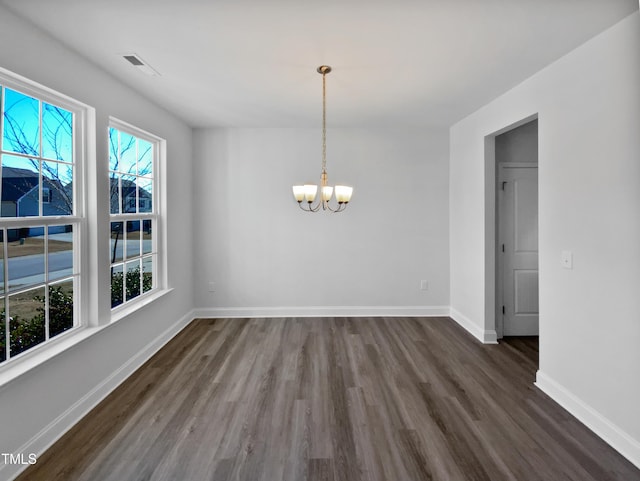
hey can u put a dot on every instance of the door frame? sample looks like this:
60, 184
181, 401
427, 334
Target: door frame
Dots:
491, 228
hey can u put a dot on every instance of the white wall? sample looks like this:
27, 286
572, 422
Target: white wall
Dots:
267, 257
588, 106
39, 405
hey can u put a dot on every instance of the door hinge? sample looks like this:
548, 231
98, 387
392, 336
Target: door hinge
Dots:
502, 247
503, 184
502, 309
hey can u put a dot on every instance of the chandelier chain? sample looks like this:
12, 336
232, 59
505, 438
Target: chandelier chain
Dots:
324, 123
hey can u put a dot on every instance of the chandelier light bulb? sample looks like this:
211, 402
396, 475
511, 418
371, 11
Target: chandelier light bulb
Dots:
310, 192
298, 192
343, 193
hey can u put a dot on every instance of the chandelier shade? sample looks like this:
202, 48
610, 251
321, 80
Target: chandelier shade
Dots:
307, 195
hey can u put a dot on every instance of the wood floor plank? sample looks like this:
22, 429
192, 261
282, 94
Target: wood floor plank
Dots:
335, 399
320, 470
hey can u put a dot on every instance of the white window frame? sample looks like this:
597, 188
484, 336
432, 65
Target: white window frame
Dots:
82, 115
156, 217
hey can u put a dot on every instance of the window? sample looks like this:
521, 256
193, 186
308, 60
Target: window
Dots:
41, 134
133, 166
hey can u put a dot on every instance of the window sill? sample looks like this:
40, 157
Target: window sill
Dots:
39, 355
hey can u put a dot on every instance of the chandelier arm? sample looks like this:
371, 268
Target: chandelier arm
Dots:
310, 207
315, 208
331, 209
341, 206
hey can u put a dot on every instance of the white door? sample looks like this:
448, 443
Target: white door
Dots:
518, 225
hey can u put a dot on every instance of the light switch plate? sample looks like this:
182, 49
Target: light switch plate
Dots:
567, 259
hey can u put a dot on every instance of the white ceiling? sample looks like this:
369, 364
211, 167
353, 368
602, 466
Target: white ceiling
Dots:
253, 62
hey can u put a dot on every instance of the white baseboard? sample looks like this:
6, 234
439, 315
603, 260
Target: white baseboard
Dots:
39, 443
486, 336
331, 311
616, 437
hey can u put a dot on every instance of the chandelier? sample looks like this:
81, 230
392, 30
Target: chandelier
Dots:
308, 192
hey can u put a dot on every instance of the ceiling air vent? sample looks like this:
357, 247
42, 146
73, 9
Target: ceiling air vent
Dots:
140, 64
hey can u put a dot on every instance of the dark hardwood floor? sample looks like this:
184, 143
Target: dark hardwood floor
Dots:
344, 399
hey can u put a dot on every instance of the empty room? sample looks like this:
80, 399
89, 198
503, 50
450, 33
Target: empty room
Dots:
340, 240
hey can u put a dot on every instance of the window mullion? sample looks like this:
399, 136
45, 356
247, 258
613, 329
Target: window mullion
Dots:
119, 169
46, 283
40, 163
5, 265
16, 222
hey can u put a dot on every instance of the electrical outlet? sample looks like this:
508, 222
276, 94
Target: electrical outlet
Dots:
567, 259
424, 285
212, 287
